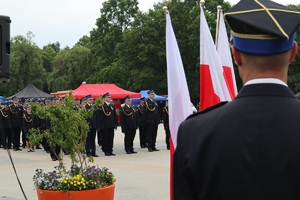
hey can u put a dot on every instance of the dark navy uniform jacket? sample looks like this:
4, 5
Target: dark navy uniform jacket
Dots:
248, 149
128, 118
151, 112
108, 116
15, 115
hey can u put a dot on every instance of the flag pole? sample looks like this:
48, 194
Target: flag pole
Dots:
218, 25
165, 8
202, 2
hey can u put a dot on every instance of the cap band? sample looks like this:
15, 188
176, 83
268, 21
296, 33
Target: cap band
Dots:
263, 47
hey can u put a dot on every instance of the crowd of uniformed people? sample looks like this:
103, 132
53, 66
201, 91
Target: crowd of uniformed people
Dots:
16, 119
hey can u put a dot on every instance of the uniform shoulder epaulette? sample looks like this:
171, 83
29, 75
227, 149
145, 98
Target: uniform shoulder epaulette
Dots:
208, 109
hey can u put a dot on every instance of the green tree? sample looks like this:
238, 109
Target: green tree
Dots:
116, 16
26, 65
69, 68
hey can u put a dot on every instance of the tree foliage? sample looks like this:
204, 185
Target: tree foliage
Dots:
26, 65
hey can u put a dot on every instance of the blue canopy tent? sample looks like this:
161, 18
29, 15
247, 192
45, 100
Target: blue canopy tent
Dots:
136, 101
2, 99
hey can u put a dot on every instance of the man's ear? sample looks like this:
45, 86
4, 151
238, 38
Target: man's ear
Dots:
294, 51
236, 55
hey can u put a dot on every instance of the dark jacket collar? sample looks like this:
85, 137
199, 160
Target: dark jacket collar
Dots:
265, 89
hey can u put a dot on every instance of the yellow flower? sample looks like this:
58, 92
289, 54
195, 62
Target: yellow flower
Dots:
65, 181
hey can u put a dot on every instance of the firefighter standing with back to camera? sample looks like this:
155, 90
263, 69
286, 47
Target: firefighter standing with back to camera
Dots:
248, 148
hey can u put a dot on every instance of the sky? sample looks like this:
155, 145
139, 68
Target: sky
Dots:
63, 21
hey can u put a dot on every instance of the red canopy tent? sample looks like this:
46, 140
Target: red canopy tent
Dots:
99, 89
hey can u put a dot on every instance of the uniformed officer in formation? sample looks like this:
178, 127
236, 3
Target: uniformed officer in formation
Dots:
90, 146
44, 124
151, 114
142, 123
28, 122
128, 122
4, 126
108, 124
77, 104
15, 122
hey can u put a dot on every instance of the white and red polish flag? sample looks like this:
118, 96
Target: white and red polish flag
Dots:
225, 57
179, 102
213, 87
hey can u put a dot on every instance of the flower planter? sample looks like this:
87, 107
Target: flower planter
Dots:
105, 193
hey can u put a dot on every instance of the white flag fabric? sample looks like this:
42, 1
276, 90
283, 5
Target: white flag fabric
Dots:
225, 57
213, 88
178, 94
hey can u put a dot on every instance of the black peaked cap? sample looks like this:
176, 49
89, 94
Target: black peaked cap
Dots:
262, 17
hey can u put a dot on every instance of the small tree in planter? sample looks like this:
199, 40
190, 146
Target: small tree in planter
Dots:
69, 129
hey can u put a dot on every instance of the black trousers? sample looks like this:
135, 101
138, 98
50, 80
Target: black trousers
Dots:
151, 135
90, 147
129, 138
99, 137
6, 138
16, 133
142, 133
168, 138
54, 153
1, 143
108, 135
24, 136
45, 143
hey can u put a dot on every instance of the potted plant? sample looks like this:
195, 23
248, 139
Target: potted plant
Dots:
69, 129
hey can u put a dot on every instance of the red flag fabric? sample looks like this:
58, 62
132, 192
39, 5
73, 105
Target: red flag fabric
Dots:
213, 87
225, 57
179, 102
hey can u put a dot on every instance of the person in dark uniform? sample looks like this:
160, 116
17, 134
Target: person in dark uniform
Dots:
151, 114
90, 147
15, 122
142, 123
44, 124
166, 124
4, 126
28, 122
108, 124
23, 136
99, 133
248, 148
77, 104
161, 106
83, 101
128, 124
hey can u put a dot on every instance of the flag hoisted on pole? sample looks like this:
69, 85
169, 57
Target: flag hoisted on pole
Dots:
179, 102
213, 87
223, 50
